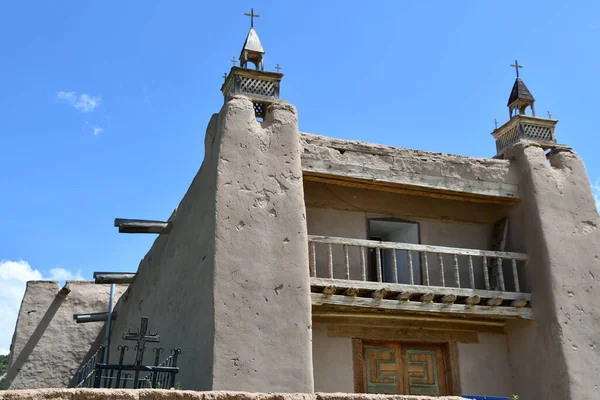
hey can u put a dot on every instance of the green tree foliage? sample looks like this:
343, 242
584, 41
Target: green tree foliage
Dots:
3, 363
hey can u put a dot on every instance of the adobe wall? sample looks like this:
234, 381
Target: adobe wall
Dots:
404, 161
48, 346
484, 366
229, 284
157, 394
557, 355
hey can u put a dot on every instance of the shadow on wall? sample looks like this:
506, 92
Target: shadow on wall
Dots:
16, 365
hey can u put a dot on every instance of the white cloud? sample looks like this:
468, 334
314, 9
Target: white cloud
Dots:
13, 276
83, 103
97, 130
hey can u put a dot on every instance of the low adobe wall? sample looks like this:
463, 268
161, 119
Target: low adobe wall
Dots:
157, 394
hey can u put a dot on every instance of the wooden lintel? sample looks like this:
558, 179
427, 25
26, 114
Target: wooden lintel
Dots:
114, 277
142, 226
410, 183
92, 317
401, 333
428, 308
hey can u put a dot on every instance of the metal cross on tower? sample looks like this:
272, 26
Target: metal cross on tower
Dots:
225, 76
141, 337
517, 66
277, 67
495, 123
234, 61
252, 16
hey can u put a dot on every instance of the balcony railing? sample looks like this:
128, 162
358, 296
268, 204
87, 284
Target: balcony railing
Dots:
447, 276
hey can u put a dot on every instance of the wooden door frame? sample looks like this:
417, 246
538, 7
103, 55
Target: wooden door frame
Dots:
449, 349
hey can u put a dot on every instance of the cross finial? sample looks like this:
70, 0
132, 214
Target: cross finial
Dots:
495, 123
277, 67
252, 16
517, 66
225, 76
234, 61
549, 115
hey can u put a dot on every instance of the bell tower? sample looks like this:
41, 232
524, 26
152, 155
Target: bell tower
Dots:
250, 79
520, 125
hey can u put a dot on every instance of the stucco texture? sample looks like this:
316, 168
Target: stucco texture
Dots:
557, 356
229, 284
48, 346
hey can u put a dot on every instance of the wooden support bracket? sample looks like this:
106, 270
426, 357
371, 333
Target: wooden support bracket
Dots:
351, 292
449, 299
142, 226
380, 293
329, 290
496, 301
519, 303
473, 300
427, 298
405, 296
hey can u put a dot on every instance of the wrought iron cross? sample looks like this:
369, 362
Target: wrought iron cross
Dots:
225, 76
277, 67
141, 337
252, 16
549, 115
517, 66
234, 61
495, 123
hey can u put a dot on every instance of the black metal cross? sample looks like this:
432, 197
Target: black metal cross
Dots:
252, 16
495, 123
549, 115
517, 66
225, 76
141, 337
277, 67
234, 61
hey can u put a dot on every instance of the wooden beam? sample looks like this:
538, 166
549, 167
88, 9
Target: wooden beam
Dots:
92, 317
319, 299
366, 286
327, 171
142, 226
66, 289
114, 277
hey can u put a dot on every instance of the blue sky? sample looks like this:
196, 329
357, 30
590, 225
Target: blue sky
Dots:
103, 105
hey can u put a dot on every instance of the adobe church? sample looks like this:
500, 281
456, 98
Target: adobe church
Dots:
302, 263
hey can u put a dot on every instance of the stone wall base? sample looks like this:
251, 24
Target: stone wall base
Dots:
158, 394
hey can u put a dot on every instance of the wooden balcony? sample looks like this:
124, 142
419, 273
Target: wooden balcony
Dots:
417, 278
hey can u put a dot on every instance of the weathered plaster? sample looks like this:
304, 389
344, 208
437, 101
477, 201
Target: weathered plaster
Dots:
332, 362
412, 169
48, 346
233, 272
557, 356
488, 361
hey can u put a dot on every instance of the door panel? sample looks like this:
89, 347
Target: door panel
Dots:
404, 368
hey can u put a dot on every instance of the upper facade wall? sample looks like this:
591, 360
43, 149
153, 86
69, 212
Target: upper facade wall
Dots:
399, 169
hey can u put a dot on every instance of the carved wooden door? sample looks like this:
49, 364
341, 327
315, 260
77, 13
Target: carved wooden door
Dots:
404, 368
